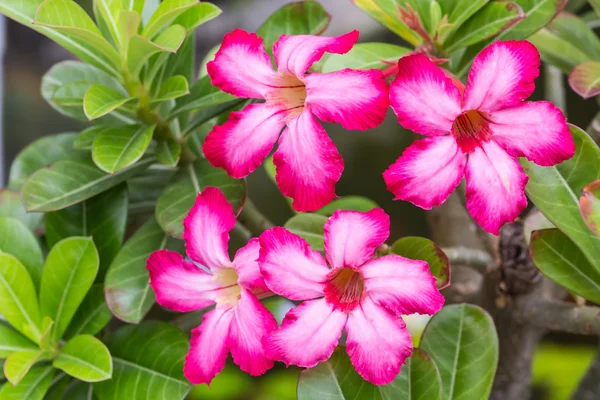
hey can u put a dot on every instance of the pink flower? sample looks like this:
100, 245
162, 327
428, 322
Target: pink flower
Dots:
308, 164
477, 134
363, 295
239, 320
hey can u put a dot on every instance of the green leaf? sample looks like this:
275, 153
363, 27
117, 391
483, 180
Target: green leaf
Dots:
18, 298
174, 87
145, 189
575, 31
309, 227
17, 239
418, 248
141, 49
196, 15
462, 341
41, 153
178, 198
86, 358
584, 79
128, 293
419, 379
202, 94
168, 152
589, 205
109, 10
85, 139
58, 388
70, 270
12, 207
386, 13
557, 51
33, 387
538, 13
558, 258
119, 148
128, 24
19, 363
100, 100
67, 17
12, 341
46, 343
534, 221
165, 14
355, 203
458, 11
492, 19
92, 315
69, 182
298, 18
366, 56
555, 191
152, 368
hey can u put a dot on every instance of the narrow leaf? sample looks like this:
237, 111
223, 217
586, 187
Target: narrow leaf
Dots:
390, 18
196, 15
86, 358
165, 14
585, 79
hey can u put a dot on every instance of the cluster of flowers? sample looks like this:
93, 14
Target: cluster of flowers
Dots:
476, 132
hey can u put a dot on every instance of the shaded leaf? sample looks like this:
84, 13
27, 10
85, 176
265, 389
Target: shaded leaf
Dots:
386, 13
33, 387
202, 94
419, 379
589, 205
577, 33
418, 248
17, 239
196, 15
85, 139
168, 152
92, 315
584, 79
458, 11
366, 56
145, 188
355, 203
86, 358
12, 207
118, 148
309, 227
538, 13
100, 100
12, 341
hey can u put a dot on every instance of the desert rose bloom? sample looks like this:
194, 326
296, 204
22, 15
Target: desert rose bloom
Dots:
477, 134
308, 163
358, 293
239, 320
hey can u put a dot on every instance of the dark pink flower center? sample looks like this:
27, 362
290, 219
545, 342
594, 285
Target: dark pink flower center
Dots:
470, 129
345, 288
288, 96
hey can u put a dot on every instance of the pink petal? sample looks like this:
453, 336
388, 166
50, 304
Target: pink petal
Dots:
246, 266
495, 187
355, 99
351, 237
180, 285
427, 172
308, 164
206, 229
423, 97
208, 350
308, 335
295, 54
242, 143
402, 285
251, 322
241, 66
289, 266
535, 130
502, 76
378, 342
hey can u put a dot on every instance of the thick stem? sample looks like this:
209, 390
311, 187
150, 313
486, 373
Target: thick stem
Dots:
559, 316
554, 87
479, 260
253, 219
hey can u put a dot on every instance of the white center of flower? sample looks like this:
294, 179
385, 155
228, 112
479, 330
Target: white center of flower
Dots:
229, 292
288, 95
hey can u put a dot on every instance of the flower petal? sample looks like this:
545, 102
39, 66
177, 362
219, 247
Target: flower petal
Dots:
251, 322
241, 66
355, 99
180, 285
243, 142
378, 342
427, 172
206, 229
495, 187
208, 350
290, 267
308, 335
308, 164
535, 130
351, 237
423, 97
245, 263
402, 285
295, 54
502, 76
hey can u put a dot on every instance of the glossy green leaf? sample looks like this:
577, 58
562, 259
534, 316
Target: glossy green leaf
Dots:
70, 270
575, 31
202, 94
561, 260
538, 13
19, 363
179, 197
69, 182
12, 207
40, 153
119, 148
109, 10
92, 315
127, 290
46, 338
128, 24
419, 379
145, 188
86, 358
58, 388
153, 368
165, 14
33, 387
584, 79
458, 11
386, 13
141, 49
418, 248
366, 56
556, 190
174, 87
557, 51
297, 18
492, 19
589, 205
18, 240
168, 152
85, 139
309, 227
100, 100
355, 203
12, 341
197, 15
462, 341
18, 298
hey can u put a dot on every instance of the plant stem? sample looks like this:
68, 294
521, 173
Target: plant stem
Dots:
560, 316
477, 259
554, 87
